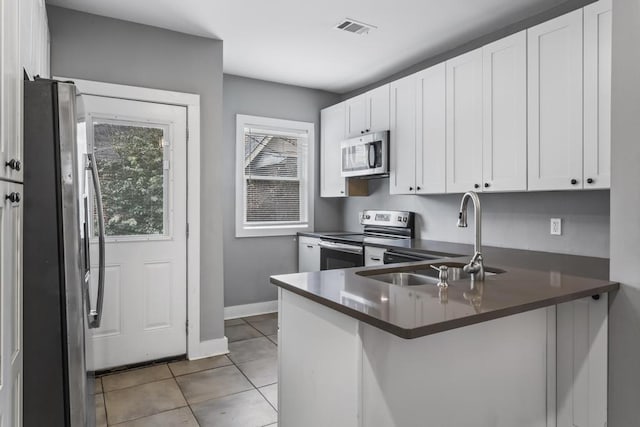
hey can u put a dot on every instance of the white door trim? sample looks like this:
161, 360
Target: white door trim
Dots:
195, 348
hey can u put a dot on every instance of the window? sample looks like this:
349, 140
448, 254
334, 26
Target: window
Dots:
274, 176
132, 164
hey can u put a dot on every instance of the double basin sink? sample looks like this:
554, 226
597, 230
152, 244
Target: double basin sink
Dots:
422, 275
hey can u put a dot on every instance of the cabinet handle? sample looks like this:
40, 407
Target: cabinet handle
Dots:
14, 164
13, 197
374, 258
341, 191
410, 188
362, 132
574, 181
476, 185
310, 246
589, 180
366, 130
418, 188
486, 185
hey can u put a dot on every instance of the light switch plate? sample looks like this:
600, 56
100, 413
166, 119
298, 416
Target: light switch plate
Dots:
556, 226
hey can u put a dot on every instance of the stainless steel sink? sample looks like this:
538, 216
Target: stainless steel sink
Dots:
422, 276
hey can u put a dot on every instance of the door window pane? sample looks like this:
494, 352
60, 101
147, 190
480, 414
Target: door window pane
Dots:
131, 160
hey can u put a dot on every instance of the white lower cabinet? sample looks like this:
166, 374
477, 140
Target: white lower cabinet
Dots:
11, 303
540, 368
308, 254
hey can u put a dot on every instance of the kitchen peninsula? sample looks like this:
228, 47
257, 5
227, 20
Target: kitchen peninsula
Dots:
378, 347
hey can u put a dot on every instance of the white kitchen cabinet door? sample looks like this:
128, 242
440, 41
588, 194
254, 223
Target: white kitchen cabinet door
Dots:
464, 122
308, 254
356, 115
555, 103
581, 365
597, 95
431, 122
11, 94
504, 166
368, 112
402, 145
11, 303
378, 108
332, 132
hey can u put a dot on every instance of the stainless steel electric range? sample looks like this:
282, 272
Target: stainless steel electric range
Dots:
347, 250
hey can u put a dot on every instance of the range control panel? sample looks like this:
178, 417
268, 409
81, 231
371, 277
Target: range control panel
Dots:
386, 218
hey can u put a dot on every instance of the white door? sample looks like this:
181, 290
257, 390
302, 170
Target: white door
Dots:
555, 103
140, 149
11, 308
332, 133
464, 122
402, 149
431, 130
505, 114
597, 94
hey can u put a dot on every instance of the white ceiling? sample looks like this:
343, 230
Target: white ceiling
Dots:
293, 41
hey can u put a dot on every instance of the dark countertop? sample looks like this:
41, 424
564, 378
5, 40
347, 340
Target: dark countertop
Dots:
415, 311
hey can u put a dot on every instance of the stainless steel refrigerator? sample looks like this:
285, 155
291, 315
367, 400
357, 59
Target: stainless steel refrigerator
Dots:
62, 201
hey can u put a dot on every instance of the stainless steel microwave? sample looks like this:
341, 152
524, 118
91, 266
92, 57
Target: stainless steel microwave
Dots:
365, 155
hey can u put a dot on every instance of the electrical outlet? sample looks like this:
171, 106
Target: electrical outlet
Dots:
556, 226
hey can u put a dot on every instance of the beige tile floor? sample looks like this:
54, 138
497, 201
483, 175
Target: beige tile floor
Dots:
236, 390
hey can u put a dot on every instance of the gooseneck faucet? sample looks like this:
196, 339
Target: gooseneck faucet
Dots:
475, 267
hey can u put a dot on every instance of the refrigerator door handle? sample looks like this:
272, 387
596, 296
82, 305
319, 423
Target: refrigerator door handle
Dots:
95, 316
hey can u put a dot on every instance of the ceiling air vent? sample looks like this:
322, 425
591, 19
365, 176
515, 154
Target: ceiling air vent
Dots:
353, 26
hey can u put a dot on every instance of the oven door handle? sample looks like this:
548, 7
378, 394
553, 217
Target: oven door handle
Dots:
341, 247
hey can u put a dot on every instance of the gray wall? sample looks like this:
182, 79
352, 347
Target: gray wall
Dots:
514, 220
249, 261
90, 47
624, 310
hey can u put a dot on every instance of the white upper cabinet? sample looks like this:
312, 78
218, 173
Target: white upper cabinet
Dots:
504, 112
555, 103
11, 166
597, 94
34, 38
368, 112
402, 148
431, 130
332, 132
464, 122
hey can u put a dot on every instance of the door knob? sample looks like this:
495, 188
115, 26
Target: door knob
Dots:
418, 188
486, 185
476, 185
13, 197
14, 164
589, 180
574, 181
410, 188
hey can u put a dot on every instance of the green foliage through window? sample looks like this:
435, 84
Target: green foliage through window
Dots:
130, 166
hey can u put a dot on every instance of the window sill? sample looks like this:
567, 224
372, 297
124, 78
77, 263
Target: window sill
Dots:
271, 231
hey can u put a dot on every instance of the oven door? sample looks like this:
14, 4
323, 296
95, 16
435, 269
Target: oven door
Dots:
339, 255
363, 156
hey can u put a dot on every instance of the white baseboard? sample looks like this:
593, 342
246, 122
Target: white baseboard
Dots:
209, 348
245, 310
